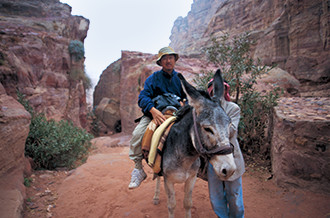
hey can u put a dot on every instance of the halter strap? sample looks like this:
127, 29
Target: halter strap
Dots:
224, 150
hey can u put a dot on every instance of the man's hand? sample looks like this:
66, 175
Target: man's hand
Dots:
157, 116
183, 102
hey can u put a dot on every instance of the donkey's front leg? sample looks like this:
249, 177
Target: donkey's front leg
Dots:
155, 200
171, 203
188, 188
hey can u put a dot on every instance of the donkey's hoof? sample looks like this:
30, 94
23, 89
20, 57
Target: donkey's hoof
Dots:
155, 201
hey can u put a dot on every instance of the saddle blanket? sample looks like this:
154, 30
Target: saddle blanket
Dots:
153, 142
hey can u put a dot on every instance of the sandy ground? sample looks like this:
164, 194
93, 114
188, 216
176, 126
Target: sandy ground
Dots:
99, 188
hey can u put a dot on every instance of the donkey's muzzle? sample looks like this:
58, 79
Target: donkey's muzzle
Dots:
224, 166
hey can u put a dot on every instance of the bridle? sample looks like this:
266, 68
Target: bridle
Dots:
224, 150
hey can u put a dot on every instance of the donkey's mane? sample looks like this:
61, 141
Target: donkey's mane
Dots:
182, 111
185, 109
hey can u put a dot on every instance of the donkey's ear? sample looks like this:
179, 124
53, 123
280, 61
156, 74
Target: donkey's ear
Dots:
191, 92
218, 85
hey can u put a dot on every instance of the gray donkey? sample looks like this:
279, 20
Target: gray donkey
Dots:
201, 129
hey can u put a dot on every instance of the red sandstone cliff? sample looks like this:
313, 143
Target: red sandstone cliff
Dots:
293, 34
34, 56
35, 60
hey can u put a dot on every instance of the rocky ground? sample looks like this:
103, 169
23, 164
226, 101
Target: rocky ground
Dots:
98, 188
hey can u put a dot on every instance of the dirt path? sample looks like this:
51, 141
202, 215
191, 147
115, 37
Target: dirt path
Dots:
99, 189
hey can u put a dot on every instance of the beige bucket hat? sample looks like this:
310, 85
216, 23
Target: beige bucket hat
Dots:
166, 51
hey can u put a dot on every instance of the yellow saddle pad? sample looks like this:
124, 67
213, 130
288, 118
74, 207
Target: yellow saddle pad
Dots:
154, 138
155, 142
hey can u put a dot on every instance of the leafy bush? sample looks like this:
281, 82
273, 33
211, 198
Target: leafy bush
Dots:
25, 103
77, 52
79, 74
202, 80
256, 118
27, 181
76, 49
54, 144
234, 59
241, 71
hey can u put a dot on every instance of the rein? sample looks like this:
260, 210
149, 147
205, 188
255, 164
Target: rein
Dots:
209, 153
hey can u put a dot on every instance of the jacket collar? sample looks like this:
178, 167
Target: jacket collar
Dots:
167, 75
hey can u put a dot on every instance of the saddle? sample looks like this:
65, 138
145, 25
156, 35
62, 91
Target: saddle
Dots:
154, 138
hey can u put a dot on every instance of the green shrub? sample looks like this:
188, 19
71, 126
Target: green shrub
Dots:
27, 181
21, 99
54, 144
202, 80
80, 74
256, 118
233, 57
76, 50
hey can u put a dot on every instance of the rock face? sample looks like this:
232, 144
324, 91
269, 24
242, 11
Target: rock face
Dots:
34, 57
277, 77
188, 32
14, 122
300, 146
106, 96
293, 34
35, 60
14, 129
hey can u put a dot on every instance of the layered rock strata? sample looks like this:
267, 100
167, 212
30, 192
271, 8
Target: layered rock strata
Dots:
35, 59
14, 129
301, 143
292, 34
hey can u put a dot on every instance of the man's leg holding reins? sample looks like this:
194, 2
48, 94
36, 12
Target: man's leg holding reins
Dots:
135, 153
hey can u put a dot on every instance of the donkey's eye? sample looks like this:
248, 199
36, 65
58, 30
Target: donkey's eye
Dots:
207, 129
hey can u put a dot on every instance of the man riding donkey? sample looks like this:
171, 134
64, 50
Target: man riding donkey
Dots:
159, 83
222, 194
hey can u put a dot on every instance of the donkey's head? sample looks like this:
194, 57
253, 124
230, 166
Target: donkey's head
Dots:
210, 133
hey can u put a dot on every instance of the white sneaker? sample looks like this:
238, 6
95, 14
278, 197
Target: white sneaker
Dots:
137, 177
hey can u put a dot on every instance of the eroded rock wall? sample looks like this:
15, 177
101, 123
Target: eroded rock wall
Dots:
34, 60
293, 34
14, 129
300, 145
34, 57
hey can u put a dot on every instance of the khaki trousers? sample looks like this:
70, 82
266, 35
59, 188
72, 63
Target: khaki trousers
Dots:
135, 150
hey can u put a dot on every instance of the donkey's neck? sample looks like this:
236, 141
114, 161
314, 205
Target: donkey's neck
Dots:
179, 153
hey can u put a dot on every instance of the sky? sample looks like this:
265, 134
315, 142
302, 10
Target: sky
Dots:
125, 25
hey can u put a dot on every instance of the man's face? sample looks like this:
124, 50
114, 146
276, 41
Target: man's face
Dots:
168, 62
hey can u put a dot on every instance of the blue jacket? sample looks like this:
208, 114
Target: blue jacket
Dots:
156, 84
